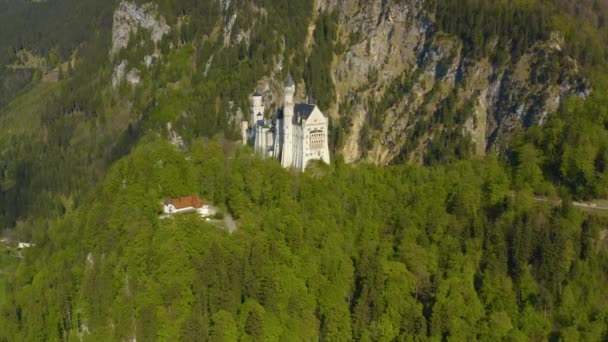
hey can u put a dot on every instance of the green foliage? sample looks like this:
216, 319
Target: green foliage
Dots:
398, 87
458, 252
491, 28
8, 261
318, 74
574, 145
46, 35
363, 253
35, 27
515, 24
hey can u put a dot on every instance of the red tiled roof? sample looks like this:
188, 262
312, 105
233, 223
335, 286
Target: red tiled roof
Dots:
186, 202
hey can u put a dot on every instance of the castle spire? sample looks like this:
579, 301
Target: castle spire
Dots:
290, 91
289, 82
288, 129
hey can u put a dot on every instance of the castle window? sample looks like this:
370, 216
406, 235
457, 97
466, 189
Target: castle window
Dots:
317, 140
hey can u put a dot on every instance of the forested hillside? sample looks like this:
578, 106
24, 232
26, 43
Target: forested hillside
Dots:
34, 26
339, 253
461, 130
80, 95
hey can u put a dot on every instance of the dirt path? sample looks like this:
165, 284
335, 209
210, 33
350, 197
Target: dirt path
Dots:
587, 205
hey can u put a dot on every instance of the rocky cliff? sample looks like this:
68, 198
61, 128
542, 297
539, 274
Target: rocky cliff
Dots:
393, 42
129, 18
404, 90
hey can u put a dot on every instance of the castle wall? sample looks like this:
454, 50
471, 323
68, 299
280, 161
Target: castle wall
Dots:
293, 144
288, 138
269, 143
278, 139
316, 143
298, 149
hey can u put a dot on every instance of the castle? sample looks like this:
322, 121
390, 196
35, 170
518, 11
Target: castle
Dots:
296, 136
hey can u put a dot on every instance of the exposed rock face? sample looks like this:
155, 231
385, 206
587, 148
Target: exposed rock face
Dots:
129, 17
174, 138
393, 76
133, 77
120, 73
388, 39
526, 92
228, 29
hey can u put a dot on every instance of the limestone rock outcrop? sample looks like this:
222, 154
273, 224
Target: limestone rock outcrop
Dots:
393, 74
129, 18
389, 39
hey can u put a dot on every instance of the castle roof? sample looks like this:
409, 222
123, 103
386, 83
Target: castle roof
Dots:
301, 112
187, 202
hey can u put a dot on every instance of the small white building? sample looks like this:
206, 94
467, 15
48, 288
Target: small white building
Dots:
188, 204
23, 245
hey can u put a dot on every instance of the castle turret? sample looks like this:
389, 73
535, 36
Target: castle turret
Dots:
290, 90
288, 113
257, 107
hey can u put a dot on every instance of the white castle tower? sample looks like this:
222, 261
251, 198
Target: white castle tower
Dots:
257, 107
296, 135
288, 131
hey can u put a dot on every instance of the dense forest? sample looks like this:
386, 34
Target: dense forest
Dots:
87, 126
500, 28
459, 248
340, 253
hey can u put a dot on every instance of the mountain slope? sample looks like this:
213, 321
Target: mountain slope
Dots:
353, 253
98, 129
445, 86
